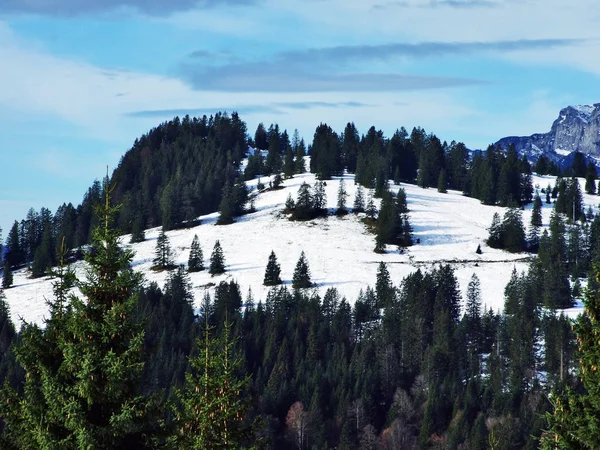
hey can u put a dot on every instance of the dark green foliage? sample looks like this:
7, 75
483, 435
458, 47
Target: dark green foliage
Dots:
84, 369
163, 259
371, 209
478, 251
442, 184
536, 212
273, 271
288, 163
211, 414
290, 204
359, 200
217, 260
341, 199
301, 278
304, 203
542, 165
326, 155
431, 162
299, 166
137, 231
579, 165
569, 199
196, 258
575, 420
7, 276
508, 234
383, 287
260, 137
591, 176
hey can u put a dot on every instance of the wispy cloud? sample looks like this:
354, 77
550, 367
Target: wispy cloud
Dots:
268, 108
326, 69
464, 4
70, 8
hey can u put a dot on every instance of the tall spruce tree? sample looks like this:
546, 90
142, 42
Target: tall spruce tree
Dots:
383, 287
371, 209
7, 276
536, 212
83, 370
341, 199
196, 258
272, 272
212, 407
301, 278
442, 185
217, 260
575, 421
359, 200
163, 258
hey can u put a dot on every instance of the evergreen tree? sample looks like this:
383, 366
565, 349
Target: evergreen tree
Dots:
495, 238
341, 199
513, 231
576, 418
273, 271
290, 204
442, 182
196, 258
301, 278
288, 163
163, 258
217, 260
383, 287
359, 200
591, 176
7, 276
226, 207
300, 154
137, 231
371, 210
536, 212
304, 203
319, 198
212, 411
83, 370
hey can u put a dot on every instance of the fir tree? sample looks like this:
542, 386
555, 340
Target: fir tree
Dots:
163, 258
300, 153
137, 231
371, 210
288, 163
576, 418
226, 207
442, 182
495, 238
319, 198
289, 204
341, 199
7, 276
301, 278
304, 203
212, 409
217, 260
273, 271
383, 287
83, 370
536, 212
196, 258
359, 200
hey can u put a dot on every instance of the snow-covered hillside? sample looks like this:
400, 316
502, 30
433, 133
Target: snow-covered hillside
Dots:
339, 250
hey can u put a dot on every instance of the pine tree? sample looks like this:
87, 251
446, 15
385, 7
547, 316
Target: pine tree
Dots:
273, 271
212, 407
196, 258
473, 316
575, 420
383, 287
301, 278
84, 369
495, 238
226, 207
289, 203
443, 182
536, 212
341, 199
288, 163
359, 200
163, 258
319, 198
300, 153
137, 231
304, 203
371, 210
217, 260
7, 276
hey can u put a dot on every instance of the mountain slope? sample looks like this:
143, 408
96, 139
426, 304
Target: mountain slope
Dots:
339, 250
577, 128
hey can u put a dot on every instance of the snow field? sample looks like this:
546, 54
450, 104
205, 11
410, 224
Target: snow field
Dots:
339, 249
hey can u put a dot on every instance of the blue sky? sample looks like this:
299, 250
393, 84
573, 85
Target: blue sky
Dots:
79, 80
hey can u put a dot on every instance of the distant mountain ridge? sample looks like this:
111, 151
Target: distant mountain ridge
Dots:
577, 129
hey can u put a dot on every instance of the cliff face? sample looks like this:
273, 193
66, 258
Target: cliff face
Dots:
577, 128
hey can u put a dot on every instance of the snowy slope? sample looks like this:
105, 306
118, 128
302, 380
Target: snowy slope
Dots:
339, 250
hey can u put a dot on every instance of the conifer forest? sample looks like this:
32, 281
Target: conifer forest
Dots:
411, 363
